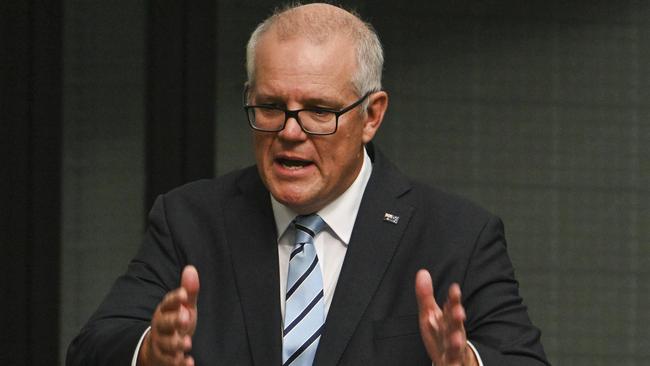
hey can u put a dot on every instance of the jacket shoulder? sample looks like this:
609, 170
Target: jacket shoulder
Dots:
222, 186
445, 205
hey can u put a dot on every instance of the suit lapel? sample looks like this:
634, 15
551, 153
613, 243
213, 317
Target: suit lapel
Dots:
251, 236
373, 243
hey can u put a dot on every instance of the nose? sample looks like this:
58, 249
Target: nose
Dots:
292, 131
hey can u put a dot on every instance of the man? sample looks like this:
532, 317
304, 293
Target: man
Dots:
342, 292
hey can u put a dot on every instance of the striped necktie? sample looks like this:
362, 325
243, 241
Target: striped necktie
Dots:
305, 307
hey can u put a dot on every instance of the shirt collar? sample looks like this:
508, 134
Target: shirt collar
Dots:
339, 214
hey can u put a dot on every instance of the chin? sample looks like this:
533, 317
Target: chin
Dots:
291, 201
297, 201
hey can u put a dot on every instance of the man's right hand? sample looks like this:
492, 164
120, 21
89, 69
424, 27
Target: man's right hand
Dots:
173, 325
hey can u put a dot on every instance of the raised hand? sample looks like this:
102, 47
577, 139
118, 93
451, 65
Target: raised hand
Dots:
442, 330
173, 325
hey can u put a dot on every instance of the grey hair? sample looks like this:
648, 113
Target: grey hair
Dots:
316, 27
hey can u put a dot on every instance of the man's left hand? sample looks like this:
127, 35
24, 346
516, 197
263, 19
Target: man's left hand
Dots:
442, 330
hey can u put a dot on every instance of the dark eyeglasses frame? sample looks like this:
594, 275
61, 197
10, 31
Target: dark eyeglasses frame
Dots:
294, 114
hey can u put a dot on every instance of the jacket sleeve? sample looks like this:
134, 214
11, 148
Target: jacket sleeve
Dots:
112, 333
497, 320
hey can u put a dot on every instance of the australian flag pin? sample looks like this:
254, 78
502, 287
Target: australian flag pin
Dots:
391, 218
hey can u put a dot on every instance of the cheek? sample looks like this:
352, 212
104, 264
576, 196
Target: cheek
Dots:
340, 158
261, 145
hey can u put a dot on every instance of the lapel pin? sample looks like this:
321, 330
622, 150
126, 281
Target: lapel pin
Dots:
393, 219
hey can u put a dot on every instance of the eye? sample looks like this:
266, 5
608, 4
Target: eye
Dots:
269, 111
318, 115
319, 112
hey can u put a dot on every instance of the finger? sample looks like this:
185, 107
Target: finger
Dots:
454, 293
173, 300
456, 342
453, 308
172, 321
189, 361
171, 344
165, 352
174, 352
456, 339
163, 326
190, 282
170, 359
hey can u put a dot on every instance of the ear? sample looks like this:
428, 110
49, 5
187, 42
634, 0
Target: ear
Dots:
374, 114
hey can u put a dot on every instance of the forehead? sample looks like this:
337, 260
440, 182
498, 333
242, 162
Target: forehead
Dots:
298, 65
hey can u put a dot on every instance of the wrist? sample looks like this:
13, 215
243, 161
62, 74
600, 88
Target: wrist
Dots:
143, 354
470, 357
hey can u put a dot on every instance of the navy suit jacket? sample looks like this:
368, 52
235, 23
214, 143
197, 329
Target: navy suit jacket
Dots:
225, 227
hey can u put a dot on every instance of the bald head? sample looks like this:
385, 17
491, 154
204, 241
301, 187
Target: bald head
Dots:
321, 23
316, 22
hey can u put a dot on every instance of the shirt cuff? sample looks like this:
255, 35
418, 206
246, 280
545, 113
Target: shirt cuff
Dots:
134, 361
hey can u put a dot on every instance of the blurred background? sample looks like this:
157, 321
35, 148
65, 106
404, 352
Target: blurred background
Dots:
537, 110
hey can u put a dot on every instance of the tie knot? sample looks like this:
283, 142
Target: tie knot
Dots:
311, 224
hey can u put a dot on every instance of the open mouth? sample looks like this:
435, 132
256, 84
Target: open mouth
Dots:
293, 163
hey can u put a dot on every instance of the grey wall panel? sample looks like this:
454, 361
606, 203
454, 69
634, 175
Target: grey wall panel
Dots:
103, 152
235, 22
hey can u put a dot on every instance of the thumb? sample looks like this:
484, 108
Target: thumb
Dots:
428, 313
190, 282
424, 291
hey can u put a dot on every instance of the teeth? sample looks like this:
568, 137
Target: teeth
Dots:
293, 164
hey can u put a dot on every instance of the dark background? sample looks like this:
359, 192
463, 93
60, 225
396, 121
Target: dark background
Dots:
537, 110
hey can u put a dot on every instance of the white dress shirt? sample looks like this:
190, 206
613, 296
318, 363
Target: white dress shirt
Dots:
331, 244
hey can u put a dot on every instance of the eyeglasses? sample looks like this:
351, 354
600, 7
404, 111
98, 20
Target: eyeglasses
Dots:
313, 121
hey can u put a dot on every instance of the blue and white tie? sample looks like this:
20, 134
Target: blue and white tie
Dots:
305, 307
